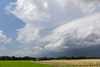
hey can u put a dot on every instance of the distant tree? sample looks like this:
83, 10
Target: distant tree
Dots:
81, 57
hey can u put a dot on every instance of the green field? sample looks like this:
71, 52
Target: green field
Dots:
21, 64
52, 63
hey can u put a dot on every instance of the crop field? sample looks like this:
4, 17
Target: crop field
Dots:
52, 63
71, 63
21, 64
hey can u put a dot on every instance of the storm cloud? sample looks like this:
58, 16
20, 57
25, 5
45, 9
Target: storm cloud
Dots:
64, 37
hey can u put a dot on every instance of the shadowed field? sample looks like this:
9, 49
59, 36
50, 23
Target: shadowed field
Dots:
71, 63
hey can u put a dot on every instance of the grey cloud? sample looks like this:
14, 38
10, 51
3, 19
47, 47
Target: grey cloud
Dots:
65, 38
80, 33
76, 34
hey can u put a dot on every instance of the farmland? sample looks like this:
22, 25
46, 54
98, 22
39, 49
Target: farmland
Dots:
20, 64
72, 63
52, 63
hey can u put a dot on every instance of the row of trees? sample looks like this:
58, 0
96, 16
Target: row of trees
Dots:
43, 58
16, 58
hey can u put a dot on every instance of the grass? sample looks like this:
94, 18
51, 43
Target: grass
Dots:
21, 64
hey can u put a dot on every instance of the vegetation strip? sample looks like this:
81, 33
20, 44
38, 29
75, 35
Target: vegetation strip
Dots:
45, 58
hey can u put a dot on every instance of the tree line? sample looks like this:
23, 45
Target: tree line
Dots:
44, 58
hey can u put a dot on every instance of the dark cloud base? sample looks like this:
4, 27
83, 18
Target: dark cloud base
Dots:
92, 51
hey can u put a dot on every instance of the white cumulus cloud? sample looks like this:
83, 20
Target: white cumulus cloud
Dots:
87, 6
4, 39
30, 10
28, 34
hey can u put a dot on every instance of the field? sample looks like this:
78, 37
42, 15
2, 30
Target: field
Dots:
52, 63
20, 64
71, 63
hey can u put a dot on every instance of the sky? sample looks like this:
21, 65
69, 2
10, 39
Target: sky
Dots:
50, 28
